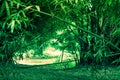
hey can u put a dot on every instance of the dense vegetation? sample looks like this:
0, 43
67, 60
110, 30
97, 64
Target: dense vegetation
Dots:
88, 29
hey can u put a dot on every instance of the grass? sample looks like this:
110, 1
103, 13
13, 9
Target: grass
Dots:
57, 71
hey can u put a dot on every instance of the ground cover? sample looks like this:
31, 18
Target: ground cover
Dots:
58, 71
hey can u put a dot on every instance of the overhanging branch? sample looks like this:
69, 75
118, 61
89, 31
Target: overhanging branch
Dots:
53, 16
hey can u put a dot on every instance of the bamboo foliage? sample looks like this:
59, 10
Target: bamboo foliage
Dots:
97, 17
14, 22
14, 15
90, 27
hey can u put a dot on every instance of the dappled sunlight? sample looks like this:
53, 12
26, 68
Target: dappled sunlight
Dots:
28, 57
55, 52
59, 39
50, 51
37, 61
24, 55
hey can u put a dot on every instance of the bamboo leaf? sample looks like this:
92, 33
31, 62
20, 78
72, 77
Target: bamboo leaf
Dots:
12, 25
2, 9
76, 1
116, 32
70, 1
116, 61
11, 3
7, 8
101, 21
19, 24
18, 5
4, 24
38, 8
67, 1
28, 7
23, 13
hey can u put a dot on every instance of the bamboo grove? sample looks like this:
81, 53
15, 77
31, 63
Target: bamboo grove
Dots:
90, 29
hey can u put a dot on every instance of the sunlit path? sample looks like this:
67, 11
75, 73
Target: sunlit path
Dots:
50, 55
37, 61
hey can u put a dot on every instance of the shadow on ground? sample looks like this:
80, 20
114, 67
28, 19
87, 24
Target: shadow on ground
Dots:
57, 72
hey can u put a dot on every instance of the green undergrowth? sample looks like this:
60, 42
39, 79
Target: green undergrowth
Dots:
57, 71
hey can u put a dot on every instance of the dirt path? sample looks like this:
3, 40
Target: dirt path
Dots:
36, 61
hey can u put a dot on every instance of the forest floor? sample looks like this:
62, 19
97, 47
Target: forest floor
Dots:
58, 71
